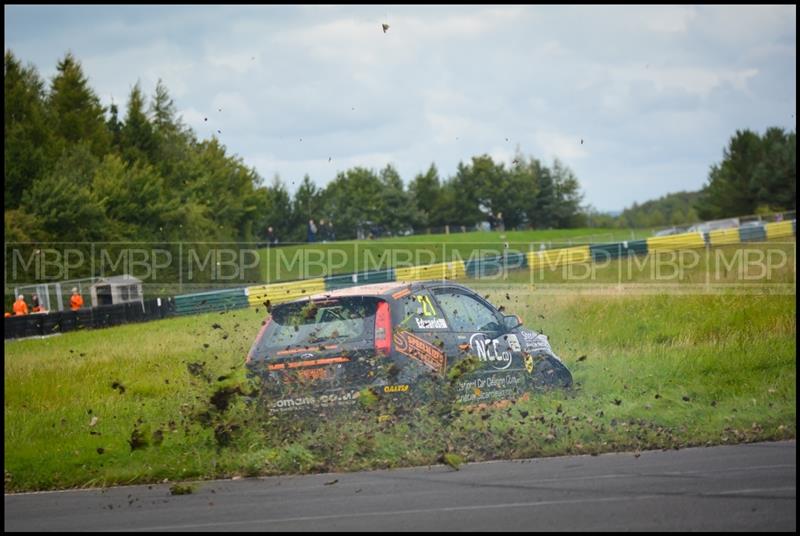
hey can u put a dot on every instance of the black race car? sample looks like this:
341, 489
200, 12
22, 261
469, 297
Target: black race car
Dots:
324, 350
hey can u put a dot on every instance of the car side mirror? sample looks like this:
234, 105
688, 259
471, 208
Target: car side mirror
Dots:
512, 322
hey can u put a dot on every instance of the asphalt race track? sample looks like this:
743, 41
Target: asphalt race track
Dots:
741, 488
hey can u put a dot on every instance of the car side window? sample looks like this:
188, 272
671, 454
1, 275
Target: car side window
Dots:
420, 313
465, 313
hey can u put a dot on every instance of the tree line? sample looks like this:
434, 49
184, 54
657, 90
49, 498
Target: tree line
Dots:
757, 175
78, 171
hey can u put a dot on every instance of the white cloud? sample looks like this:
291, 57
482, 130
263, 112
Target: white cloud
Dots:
449, 128
234, 105
743, 25
668, 19
557, 145
236, 62
691, 79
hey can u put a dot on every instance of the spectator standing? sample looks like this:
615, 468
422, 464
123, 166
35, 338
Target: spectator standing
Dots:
311, 234
75, 301
36, 307
272, 238
331, 232
20, 307
323, 231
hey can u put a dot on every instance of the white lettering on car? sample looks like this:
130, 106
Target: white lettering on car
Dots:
513, 342
433, 323
537, 343
487, 351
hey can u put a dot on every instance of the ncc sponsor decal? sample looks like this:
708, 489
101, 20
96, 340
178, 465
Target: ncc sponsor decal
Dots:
412, 346
487, 350
431, 323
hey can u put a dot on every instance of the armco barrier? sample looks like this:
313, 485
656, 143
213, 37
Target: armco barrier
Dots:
359, 278
444, 270
40, 324
558, 257
755, 233
492, 266
281, 292
485, 267
513, 260
603, 252
204, 302
780, 229
721, 237
678, 241
636, 247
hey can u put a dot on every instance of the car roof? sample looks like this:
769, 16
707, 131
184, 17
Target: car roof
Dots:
378, 289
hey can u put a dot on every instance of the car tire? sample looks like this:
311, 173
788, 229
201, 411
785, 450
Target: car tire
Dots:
549, 373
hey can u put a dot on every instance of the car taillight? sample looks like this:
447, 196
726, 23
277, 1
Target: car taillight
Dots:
249, 357
383, 329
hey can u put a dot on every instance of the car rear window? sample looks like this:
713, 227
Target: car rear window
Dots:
318, 322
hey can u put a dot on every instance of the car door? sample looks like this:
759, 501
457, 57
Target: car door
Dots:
420, 336
478, 329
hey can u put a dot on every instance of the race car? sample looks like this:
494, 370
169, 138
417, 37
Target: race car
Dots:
392, 338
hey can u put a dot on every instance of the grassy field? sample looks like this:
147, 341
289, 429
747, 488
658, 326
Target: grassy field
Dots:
661, 369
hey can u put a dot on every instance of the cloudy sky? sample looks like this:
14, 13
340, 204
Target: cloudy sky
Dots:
637, 101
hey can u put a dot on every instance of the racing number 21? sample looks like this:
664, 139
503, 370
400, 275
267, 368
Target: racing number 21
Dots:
427, 306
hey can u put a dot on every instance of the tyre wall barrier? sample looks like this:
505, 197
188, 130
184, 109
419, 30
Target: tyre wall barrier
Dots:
558, 257
40, 324
281, 292
496, 265
359, 278
444, 270
721, 237
603, 252
755, 233
781, 229
678, 241
204, 302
